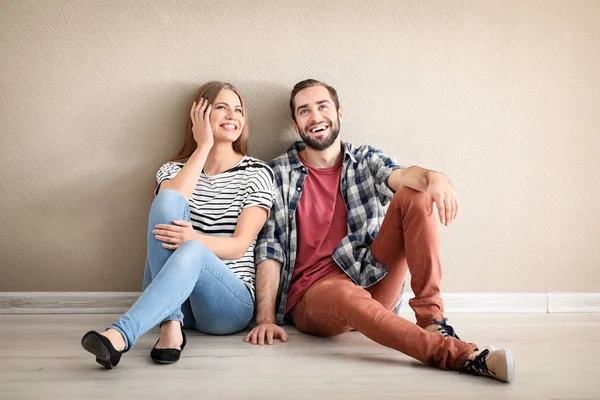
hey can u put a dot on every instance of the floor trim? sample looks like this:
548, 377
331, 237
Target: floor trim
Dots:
66, 302
573, 302
118, 302
489, 303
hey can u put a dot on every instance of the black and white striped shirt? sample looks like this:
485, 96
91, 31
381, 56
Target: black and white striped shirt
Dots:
218, 200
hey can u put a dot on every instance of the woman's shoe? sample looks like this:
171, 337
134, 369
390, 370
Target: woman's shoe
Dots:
167, 356
102, 348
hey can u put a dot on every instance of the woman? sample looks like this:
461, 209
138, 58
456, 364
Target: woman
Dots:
211, 202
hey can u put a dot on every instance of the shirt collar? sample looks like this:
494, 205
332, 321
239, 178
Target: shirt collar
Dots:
298, 146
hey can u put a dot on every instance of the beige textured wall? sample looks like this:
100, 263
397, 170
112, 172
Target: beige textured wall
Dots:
503, 96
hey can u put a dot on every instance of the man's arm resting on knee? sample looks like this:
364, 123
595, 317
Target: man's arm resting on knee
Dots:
416, 178
436, 185
267, 282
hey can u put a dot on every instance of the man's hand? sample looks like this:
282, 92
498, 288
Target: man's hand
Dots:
441, 192
271, 331
174, 236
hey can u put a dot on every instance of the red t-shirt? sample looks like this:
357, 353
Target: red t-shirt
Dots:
322, 221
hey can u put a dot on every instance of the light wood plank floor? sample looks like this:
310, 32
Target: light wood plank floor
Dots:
557, 357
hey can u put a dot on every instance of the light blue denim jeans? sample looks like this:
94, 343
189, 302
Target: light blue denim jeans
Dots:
214, 300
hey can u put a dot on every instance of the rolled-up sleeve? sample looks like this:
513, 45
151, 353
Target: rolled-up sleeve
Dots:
381, 167
167, 172
261, 190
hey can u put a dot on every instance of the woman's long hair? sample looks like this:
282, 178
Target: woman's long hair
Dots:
210, 91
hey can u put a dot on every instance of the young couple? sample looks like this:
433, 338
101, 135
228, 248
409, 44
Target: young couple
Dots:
313, 226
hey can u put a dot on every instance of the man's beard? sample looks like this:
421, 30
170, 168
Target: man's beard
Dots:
322, 144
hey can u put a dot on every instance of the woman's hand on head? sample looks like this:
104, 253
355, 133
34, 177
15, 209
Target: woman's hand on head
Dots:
174, 236
200, 115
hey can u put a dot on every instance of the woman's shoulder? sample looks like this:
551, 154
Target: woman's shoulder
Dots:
169, 169
255, 174
172, 164
253, 161
256, 166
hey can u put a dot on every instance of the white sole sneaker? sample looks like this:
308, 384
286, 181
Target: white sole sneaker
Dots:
510, 366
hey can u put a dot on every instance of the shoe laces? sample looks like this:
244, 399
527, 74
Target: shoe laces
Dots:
478, 365
445, 329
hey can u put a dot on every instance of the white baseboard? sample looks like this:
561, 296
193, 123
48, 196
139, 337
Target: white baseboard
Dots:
488, 303
573, 302
119, 302
66, 302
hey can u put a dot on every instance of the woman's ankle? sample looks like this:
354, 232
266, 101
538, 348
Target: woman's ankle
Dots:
169, 326
116, 338
170, 335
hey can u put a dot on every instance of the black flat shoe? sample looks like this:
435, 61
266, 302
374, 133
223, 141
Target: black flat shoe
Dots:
102, 348
167, 356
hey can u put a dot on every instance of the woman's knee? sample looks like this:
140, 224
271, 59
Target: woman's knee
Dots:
192, 253
167, 206
169, 195
189, 258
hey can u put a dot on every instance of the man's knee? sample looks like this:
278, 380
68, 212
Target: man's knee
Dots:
330, 327
350, 292
327, 310
406, 197
342, 291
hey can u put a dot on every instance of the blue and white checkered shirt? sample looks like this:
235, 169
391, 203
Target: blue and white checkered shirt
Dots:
366, 193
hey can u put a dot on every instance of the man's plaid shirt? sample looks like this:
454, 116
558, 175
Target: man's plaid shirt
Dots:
365, 191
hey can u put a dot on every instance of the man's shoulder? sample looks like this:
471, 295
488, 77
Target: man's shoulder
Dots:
284, 161
362, 151
281, 161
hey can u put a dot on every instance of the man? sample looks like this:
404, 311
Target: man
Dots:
331, 259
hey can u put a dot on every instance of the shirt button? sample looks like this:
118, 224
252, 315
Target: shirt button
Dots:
299, 188
291, 216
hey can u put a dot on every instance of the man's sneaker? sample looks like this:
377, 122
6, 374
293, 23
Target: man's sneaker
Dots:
442, 327
498, 364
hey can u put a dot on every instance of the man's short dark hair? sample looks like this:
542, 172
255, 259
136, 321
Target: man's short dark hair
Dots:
310, 83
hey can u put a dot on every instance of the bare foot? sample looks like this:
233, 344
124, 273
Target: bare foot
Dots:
170, 335
116, 339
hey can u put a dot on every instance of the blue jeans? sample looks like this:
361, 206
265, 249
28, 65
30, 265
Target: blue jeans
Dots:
216, 301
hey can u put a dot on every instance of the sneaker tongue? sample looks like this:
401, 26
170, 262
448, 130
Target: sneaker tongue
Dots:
478, 364
445, 329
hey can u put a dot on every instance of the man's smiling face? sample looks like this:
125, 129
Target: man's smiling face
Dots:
317, 120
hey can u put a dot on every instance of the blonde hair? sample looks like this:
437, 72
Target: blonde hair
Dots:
210, 91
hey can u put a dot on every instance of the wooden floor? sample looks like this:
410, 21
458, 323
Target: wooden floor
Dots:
557, 357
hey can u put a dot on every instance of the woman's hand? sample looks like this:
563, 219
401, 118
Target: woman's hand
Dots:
200, 115
174, 236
